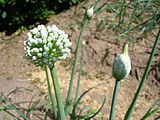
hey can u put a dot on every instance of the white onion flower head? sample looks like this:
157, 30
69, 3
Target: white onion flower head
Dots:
46, 45
121, 65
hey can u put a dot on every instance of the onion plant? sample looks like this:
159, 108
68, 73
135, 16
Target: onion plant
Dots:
121, 69
46, 45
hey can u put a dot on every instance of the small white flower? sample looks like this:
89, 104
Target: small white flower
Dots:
49, 29
34, 58
35, 42
39, 40
28, 51
50, 45
55, 36
66, 40
69, 44
49, 39
31, 40
24, 43
54, 59
39, 27
57, 43
39, 54
29, 43
44, 34
44, 41
60, 46
45, 54
54, 50
40, 49
46, 49
29, 54
64, 57
54, 28
29, 35
38, 34
45, 60
34, 31
36, 50
65, 36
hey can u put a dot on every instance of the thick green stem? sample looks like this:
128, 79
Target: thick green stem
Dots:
131, 108
50, 94
116, 88
58, 94
74, 65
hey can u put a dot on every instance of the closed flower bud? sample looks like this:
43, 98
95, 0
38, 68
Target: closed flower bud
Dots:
90, 12
84, 43
121, 65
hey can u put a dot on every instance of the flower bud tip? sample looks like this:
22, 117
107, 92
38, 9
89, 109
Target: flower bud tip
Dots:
125, 50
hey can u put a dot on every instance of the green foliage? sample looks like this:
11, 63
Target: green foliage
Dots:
135, 18
91, 113
26, 12
153, 109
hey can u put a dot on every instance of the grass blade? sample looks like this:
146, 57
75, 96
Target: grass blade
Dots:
151, 111
14, 108
98, 110
79, 99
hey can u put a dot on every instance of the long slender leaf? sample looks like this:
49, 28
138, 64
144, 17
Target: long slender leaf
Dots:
155, 103
14, 108
98, 110
84, 108
150, 113
79, 99
92, 113
31, 109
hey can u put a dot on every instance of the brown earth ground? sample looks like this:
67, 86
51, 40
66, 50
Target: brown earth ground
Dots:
100, 50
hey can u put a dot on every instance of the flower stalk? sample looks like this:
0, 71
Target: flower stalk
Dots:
115, 94
58, 94
80, 73
50, 94
85, 22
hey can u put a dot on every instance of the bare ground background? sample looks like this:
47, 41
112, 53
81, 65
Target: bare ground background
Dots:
100, 50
